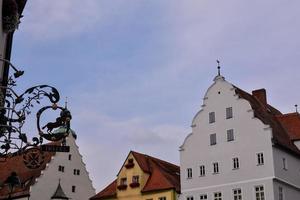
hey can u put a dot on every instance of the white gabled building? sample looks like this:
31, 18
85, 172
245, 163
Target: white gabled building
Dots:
61, 176
240, 148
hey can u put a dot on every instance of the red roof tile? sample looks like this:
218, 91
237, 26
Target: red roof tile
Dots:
109, 192
291, 122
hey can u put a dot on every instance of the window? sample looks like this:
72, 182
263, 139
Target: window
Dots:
284, 163
135, 179
61, 168
218, 196
259, 192
236, 163
202, 170
189, 173
237, 194
280, 193
73, 188
123, 181
260, 159
162, 198
190, 198
229, 113
213, 139
70, 156
230, 135
212, 117
203, 197
216, 167
76, 172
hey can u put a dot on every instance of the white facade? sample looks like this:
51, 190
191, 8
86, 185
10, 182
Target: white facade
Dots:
251, 138
2, 41
47, 183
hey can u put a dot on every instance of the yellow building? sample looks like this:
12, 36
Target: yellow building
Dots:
143, 177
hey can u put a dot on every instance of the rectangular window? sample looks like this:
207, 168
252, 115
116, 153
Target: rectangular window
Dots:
229, 113
259, 193
230, 135
203, 197
216, 167
280, 193
76, 172
237, 194
135, 179
190, 198
73, 188
70, 157
284, 163
236, 163
212, 117
123, 181
217, 196
202, 170
189, 173
162, 198
61, 168
260, 159
213, 139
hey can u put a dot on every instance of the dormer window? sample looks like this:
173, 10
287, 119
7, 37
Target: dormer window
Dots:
130, 164
123, 184
135, 182
212, 117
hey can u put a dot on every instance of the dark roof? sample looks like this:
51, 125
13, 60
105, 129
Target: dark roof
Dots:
59, 193
162, 176
271, 116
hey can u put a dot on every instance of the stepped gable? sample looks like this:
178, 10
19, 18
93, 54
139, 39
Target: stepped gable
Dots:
27, 176
271, 116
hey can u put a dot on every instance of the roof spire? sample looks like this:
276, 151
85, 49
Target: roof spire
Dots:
296, 106
219, 68
66, 103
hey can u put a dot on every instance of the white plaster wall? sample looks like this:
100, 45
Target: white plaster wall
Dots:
47, 183
289, 192
248, 191
2, 41
251, 137
291, 175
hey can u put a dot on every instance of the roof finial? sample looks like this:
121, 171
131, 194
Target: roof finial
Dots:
296, 106
219, 68
66, 103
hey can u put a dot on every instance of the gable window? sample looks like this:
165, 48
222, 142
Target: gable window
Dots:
260, 159
190, 198
237, 194
217, 196
202, 170
73, 188
212, 117
162, 198
236, 163
213, 139
76, 172
61, 168
284, 163
135, 179
280, 193
259, 192
189, 173
216, 167
229, 113
123, 181
230, 135
203, 197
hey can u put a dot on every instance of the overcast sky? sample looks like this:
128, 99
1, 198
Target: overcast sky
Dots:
135, 71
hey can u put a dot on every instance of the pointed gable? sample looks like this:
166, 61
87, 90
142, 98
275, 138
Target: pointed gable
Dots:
59, 193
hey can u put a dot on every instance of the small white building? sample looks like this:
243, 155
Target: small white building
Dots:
61, 175
240, 148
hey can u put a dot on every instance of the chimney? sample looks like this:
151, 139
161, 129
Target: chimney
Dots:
260, 95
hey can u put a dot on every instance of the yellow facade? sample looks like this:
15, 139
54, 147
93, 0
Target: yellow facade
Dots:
135, 193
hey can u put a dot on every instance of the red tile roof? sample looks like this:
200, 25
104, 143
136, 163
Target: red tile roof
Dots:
163, 175
291, 122
27, 176
269, 115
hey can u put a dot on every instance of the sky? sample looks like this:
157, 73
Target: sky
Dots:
135, 71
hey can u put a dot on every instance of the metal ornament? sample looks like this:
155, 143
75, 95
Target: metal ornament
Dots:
33, 158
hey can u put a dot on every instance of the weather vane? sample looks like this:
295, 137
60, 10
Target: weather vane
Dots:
219, 68
296, 106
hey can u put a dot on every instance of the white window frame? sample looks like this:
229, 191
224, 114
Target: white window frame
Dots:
217, 196
229, 113
236, 163
284, 164
259, 194
203, 196
213, 139
237, 194
190, 198
189, 173
212, 117
230, 135
216, 169
202, 170
280, 193
260, 158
